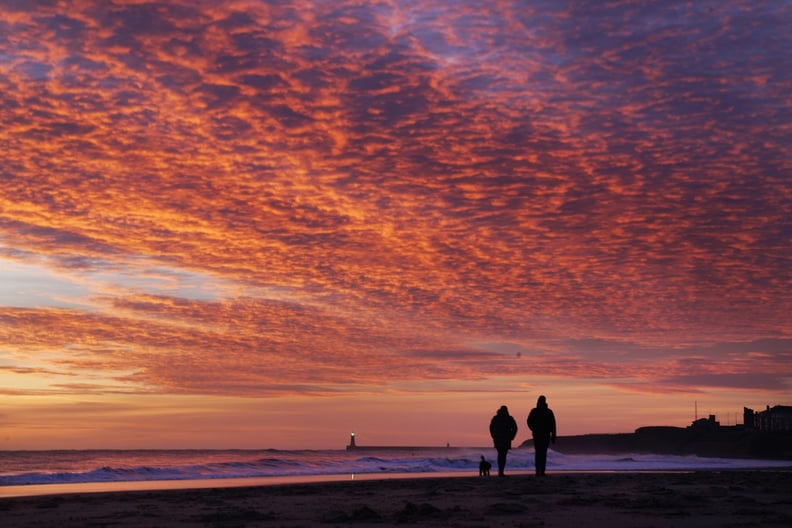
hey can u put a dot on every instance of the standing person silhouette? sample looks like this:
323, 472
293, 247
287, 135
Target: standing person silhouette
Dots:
542, 423
503, 429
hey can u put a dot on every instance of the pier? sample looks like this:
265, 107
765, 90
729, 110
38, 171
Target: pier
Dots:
354, 446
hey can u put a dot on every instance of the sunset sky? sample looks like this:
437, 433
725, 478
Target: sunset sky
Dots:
262, 223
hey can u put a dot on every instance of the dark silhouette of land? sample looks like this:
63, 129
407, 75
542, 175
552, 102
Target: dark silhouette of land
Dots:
727, 442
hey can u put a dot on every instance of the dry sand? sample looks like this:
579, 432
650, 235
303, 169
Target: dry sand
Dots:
699, 499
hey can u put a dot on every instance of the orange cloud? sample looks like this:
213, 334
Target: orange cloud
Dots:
349, 195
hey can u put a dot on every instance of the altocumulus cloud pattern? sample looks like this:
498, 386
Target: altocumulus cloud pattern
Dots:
270, 197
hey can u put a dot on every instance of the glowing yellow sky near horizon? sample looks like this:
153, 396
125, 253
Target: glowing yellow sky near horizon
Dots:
247, 224
432, 419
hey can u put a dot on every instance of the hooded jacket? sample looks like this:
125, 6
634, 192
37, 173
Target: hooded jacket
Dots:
541, 421
503, 428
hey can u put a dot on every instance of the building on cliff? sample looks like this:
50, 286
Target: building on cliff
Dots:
778, 418
706, 424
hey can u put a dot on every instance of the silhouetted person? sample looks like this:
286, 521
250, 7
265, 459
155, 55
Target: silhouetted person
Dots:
503, 429
484, 467
542, 423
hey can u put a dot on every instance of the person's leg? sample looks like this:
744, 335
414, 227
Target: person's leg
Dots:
501, 461
540, 458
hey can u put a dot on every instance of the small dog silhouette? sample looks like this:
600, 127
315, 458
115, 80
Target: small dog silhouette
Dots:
484, 467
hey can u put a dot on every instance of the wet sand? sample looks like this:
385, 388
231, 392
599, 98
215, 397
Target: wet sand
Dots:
696, 499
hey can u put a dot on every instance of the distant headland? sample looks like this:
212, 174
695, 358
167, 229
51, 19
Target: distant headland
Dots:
766, 434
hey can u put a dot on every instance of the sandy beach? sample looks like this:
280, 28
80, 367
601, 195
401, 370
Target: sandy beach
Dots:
696, 499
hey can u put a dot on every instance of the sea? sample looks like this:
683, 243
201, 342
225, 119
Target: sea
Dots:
50, 470
18, 468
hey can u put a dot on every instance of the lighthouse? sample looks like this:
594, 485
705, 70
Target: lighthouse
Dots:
351, 441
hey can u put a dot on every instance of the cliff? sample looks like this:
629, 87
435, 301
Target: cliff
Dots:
729, 442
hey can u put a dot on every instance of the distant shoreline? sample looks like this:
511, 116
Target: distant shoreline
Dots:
725, 442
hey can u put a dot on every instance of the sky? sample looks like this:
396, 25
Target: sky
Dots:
255, 223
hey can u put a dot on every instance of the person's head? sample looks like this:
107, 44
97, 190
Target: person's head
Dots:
541, 402
503, 410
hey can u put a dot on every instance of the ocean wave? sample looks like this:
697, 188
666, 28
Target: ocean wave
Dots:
211, 465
